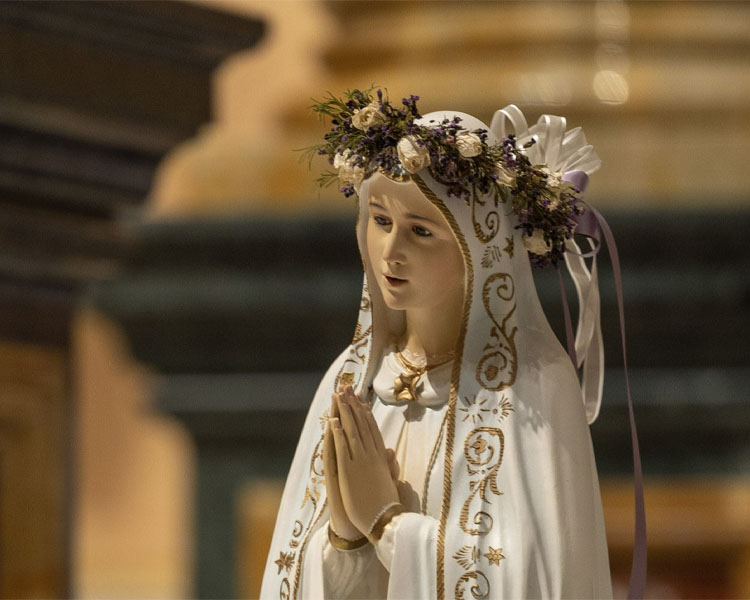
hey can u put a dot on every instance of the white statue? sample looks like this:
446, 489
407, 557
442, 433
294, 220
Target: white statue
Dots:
447, 451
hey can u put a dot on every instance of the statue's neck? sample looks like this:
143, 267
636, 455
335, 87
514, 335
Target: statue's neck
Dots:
433, 331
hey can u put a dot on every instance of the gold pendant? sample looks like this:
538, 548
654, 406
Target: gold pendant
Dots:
405, 386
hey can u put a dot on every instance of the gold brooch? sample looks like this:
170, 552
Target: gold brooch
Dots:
405, 386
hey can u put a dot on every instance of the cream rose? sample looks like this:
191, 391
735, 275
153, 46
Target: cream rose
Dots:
554, 179
536, 243
348, 171
367, 117
468, 144
412, 156
504, 176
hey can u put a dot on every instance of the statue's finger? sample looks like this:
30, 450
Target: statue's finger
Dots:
349, 429
339, 439
360, 418
393, 465
377, 437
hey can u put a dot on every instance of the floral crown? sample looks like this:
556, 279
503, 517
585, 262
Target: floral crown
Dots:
371, 134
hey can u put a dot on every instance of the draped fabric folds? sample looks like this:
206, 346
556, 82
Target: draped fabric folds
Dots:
509, 503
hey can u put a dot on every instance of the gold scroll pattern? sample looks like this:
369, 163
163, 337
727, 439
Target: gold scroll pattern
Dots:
498, 366
353, 369
479, 590
303, 526
483, 449
485, 228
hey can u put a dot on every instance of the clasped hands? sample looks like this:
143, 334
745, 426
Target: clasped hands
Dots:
361, 474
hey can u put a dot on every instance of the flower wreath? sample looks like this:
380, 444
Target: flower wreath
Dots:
371, 134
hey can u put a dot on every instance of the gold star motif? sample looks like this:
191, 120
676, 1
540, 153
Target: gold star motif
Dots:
494, 556
324, 419
474, 409
285, 561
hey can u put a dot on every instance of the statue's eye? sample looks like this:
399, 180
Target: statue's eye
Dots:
421, 231
380, 220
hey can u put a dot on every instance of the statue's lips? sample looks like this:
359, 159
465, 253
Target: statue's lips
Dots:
394, 281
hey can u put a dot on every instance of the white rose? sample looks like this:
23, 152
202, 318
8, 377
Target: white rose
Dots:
504, 176
412, 156
340, 158
553, 177
468, 144
367, 117
348, 171
555, 201
536, 243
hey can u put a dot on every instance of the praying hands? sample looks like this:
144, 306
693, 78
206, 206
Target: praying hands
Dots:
361, 474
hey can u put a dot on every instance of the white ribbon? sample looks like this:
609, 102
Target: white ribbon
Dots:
563, 151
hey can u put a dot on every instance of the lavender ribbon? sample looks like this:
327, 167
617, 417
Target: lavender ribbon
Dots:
592, 224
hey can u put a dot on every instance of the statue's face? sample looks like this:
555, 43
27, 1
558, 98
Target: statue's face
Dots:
411, 249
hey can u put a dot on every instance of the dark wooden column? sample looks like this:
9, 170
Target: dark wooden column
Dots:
92, 96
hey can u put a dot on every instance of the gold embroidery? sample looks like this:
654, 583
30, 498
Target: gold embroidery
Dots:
467, 556
358, 335
364, 304
483, 449
494, 556
498, 366
474, 410
509, 247
345, 379
354, 366
505, 407
481, 589
284, 591
491, 219
455, 376
324, 420
285, 561
491, 254
298, 527
298, 570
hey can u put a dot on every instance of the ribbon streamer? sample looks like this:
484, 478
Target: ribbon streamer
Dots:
593, 225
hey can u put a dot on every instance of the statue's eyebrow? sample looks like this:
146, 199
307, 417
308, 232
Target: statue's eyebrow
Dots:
375, 204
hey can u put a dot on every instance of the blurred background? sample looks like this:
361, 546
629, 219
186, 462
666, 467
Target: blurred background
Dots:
172, 285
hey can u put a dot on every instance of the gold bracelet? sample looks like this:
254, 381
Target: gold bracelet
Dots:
385, 517
342, 543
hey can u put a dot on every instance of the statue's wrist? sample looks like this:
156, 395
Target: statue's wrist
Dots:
342, 543
385, 516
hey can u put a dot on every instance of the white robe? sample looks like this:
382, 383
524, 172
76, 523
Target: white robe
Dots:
402, 565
